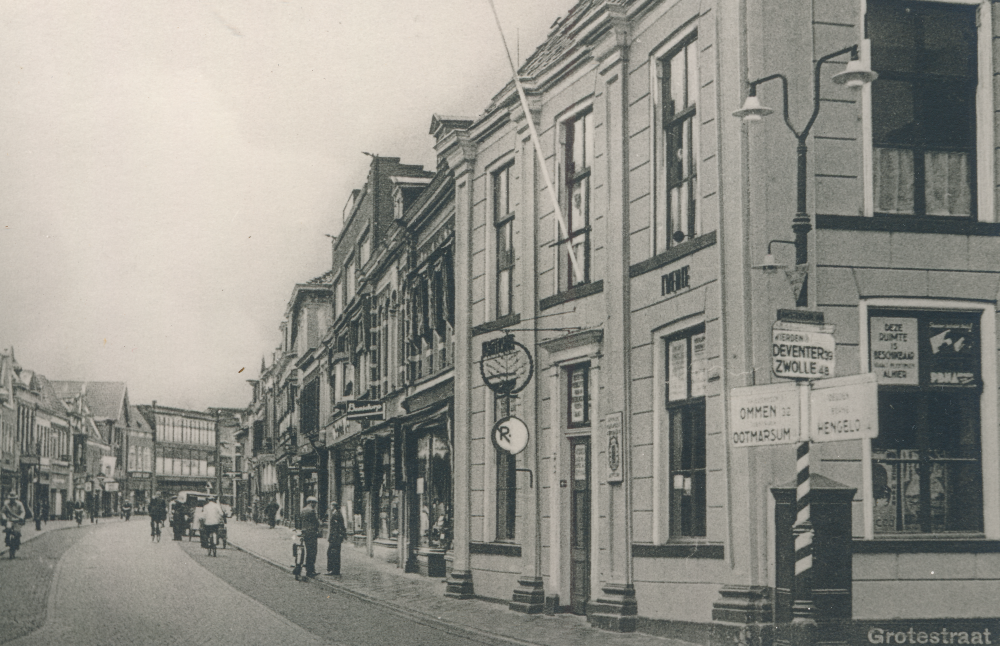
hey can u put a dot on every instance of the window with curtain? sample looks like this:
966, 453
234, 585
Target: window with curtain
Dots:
677, 205
923, 107
685, 411
578, 162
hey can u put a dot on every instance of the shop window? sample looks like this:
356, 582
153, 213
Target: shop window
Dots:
676, 217
503, 223
923, 107
578, 162
926, 460
434, 490
506, 474
685, 409
578, 396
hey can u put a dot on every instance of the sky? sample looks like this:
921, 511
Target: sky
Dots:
169, 169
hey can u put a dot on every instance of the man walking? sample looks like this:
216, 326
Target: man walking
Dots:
310, 534
271, 512
338, 532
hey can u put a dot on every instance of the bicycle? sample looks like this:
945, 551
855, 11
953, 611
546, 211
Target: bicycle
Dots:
299, 556
155, 531
12, 537
212, 540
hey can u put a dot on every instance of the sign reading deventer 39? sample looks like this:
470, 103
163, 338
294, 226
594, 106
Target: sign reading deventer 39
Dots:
802, 351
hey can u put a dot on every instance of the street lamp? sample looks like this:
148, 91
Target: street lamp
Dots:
855, 76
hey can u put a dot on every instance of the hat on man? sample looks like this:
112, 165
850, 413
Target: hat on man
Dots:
311, 499
12, 495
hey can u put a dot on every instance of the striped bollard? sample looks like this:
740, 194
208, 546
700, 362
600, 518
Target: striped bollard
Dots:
803, 610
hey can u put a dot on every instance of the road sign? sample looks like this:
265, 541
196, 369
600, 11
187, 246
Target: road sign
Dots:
764, 415
844, 408
802, 351
510, 434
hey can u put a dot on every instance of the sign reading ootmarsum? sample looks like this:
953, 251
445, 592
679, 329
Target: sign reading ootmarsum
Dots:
764, 415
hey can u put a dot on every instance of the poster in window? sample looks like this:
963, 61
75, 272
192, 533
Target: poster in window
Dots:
952, 352
698, 360
580, 462
894, 350
677, 361
578, 397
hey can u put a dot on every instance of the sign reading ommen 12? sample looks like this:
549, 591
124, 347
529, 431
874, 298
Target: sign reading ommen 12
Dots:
802, 351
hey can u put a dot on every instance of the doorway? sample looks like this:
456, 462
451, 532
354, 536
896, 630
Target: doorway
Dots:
579, 548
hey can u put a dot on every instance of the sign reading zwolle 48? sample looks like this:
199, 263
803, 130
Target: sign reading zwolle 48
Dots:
801, 351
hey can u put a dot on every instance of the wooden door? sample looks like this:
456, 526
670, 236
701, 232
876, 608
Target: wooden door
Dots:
579, 548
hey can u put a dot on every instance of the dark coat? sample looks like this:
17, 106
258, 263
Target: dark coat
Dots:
310, 523
338, 531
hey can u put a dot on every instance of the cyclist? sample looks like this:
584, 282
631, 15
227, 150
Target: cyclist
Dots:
157, 513
213, 517
12, 514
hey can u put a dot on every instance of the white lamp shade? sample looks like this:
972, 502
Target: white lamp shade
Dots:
855, 76
752, 110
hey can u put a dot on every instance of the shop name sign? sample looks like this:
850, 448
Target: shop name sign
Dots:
802, 351
361, 409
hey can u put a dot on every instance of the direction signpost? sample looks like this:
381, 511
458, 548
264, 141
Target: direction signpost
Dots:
816, 407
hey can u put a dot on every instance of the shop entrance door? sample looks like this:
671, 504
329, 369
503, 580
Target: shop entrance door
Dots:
579, 548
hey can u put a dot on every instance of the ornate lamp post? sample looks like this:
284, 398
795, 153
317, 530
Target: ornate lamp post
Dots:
855, 76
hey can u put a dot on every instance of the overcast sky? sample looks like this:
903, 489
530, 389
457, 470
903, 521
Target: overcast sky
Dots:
168, 168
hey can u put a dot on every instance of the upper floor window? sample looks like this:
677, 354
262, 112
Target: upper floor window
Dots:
923, 107
364, 251
578, 162
338, 299
676, 217
350, 282
503, 223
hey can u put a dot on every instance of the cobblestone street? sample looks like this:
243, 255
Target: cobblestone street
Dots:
108, 584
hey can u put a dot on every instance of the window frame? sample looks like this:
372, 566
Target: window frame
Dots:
503, 225
988, 401
568, 182
982, 198
691, 409
666, 119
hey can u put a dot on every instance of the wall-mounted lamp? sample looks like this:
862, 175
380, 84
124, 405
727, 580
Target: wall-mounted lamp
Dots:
770, 265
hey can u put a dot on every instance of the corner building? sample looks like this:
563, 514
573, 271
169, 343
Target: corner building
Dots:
646, 307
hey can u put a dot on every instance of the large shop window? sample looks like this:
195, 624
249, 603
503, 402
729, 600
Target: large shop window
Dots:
506, 465
926, 460
677, 212
578, 162
685, 407
434, 489
503, 223
923, 107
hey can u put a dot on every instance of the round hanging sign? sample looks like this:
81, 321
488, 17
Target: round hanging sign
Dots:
510, 434
506, 365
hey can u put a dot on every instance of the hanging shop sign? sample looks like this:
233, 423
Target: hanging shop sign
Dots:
764, 415
510, 435
613, 429
363, 409
802, 351
506, 366
844, 408
936, 349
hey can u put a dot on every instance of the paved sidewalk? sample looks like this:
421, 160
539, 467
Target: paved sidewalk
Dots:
423, 597
29, 532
